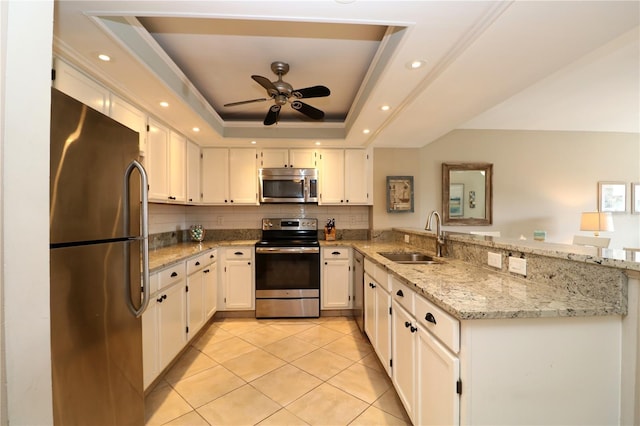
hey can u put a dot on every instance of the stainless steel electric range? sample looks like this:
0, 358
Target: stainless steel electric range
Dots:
288, 269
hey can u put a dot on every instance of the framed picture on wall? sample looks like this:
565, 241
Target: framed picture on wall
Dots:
399, 194
456, 194
635, 198
612, 197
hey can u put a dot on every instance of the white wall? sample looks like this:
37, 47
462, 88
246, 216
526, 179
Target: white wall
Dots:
25, 48
542, 180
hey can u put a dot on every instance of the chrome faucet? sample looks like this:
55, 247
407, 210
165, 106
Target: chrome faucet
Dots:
439, 236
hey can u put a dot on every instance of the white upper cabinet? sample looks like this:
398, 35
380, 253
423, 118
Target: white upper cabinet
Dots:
126, 114
345, 176
193, 173
294, 158
229, 176
177, 168
215, 175
80, 87
156, 161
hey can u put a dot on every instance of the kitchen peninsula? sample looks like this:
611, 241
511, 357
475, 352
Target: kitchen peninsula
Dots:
563, 338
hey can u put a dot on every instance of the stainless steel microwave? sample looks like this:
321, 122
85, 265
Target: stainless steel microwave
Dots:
284, 185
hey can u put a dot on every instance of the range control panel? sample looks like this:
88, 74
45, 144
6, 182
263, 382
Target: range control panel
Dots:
290, 224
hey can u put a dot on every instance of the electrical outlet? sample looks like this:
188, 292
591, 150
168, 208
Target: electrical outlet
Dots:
494, 259
517, 265
406, 238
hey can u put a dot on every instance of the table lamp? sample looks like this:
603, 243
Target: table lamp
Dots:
596, 222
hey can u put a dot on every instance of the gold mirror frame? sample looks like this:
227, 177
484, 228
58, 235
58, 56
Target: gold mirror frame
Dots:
449, 219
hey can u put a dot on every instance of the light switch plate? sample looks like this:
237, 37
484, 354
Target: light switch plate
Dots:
494, 259
517, 265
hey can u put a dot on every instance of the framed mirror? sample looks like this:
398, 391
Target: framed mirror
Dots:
466, 193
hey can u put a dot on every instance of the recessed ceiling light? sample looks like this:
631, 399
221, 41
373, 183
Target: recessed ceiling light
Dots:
104, 57
414, 65
366, 131
253, 142
164, 104
385, 107
196, 129
318, 143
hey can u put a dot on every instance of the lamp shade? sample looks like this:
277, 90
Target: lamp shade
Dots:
596, 221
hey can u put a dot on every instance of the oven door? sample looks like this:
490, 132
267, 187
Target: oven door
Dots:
287, 272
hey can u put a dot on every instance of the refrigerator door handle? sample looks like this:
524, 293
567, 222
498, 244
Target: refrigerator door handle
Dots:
144, 221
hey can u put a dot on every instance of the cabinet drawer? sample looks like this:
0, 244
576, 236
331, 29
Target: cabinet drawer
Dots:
378, 273
403, 294
442, 325
236, 253
335, 253
210, 257
154, 282
171, 275
196, 263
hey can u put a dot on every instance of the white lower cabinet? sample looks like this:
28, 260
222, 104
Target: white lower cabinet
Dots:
172, 332
195, 295
210, 275
377, 305
404, 348
336, 291
238, 279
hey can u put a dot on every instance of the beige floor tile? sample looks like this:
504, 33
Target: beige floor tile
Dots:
290, 348
350, 347
263, 336
390, 403
362, 382
322, 364
243, 406
191, 362
283, 418
164, 404
214, 334
228, 349
372, 361
294, 327
319, 335
375, 417
189, 419
327, 405
239, 325
286, 384
253, 364
341, 324
208, 385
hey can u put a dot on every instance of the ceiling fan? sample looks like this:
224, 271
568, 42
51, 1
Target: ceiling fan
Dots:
282, 92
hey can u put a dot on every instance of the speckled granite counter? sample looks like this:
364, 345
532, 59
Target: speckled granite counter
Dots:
467, 291
165, 256
463, 289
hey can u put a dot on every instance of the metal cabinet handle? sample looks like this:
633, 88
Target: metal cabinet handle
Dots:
407, 324
429, 317
206, 271
400, 293
143, 238
174, 274
197, 263
413, 329
336, 253
172, 198
238, 253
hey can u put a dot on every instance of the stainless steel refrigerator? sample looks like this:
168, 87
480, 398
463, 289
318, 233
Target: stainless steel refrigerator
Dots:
99, 267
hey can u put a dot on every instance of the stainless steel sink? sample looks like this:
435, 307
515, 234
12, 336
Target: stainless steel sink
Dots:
410, 257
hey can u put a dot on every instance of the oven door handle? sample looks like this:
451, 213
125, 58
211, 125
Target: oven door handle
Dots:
287, 250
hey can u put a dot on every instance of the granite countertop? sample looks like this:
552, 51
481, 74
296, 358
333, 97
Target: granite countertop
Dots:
465, 291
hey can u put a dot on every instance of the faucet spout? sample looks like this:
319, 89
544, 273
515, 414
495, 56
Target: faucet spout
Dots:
439, 235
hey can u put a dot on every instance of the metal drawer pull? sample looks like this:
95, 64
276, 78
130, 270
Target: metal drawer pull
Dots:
336, 253
372, 285
238, 253
429, 317
174, 274
206, 271
400, 293
407, 324
197, 263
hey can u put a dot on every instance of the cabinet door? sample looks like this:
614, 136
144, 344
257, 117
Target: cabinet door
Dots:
80, 87
383, 327
156, 161
126, 114
195, 303
172, 326
331, 176
403, 355
370, 308
210, 276
336, 292
177, 168
243, 178
302, 158
437, 400
150, 343
274, 158
215, 175
356, 176
193, 173
238, 285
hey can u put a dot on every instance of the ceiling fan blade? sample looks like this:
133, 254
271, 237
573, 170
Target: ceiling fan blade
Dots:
312, 92
266, 83
272, 115
307, 110
246, 102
